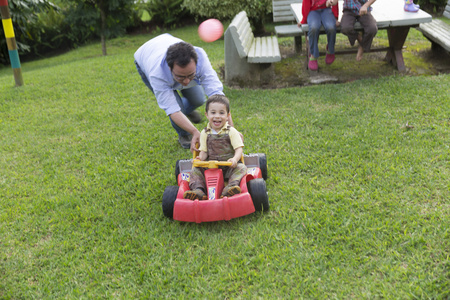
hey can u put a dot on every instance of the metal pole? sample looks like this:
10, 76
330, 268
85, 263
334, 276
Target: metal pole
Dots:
11, 42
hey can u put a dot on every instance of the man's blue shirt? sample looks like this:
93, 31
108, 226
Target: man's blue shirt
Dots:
151, 58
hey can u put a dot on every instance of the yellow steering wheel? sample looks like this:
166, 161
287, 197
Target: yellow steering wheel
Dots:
212, 164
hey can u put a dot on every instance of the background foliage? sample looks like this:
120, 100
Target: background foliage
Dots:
30, 36
432, 6
257, 10
164, 13
43, 27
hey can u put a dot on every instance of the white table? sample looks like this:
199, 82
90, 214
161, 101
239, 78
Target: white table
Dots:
390, 16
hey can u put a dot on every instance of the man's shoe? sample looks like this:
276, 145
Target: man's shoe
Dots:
195, 194
195, 117
185, 141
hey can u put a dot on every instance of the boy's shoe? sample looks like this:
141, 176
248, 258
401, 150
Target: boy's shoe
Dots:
312, 63
185, 141
195, 117
195, 194
229, 191
329, 58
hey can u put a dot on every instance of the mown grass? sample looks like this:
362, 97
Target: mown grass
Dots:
358, 186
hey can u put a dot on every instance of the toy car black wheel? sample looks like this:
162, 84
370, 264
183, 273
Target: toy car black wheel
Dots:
262, 164
177, 170
258, 192
168, 200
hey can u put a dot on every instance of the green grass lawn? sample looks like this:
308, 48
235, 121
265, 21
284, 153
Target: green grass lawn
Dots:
358, 187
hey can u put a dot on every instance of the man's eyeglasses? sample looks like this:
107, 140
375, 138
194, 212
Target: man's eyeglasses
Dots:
183, 78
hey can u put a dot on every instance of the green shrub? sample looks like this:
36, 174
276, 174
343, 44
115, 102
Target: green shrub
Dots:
42, 27
27, 29
257, 10
432, 6
84, 18
166, 13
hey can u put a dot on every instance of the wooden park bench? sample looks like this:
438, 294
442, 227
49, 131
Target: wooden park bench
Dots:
437, 31
248, 58
282, 13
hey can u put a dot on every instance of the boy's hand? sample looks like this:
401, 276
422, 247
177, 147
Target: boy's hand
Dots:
233, 161
363, 10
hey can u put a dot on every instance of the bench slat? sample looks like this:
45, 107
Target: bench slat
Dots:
447, 10
242, 33
257, 50
247, 40
281, 10
276, 48
264, 50
437, 31
246, 37
239, 47
288, 30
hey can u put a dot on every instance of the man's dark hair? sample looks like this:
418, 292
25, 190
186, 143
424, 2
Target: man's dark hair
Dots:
181, 54
218, 99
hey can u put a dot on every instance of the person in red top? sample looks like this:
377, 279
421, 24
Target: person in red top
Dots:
318, 13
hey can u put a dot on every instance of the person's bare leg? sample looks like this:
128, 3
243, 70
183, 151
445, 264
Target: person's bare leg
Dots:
359, 54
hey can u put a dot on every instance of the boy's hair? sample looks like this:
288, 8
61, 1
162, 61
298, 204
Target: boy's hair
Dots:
181, 54
218, 99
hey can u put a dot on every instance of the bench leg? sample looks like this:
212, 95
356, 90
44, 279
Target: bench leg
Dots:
397, 37
298, 44
307, 50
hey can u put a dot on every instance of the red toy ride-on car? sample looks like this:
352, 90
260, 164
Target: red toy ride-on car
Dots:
253, 196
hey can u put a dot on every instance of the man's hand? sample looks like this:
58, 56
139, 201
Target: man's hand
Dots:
195, 140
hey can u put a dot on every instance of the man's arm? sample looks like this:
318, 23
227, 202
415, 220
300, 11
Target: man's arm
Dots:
181, 120
230, 120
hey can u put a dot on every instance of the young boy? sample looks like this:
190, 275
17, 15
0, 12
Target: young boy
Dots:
359, 10
218, 141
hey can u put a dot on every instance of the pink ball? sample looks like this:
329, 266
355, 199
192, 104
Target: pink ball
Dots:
210, 30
